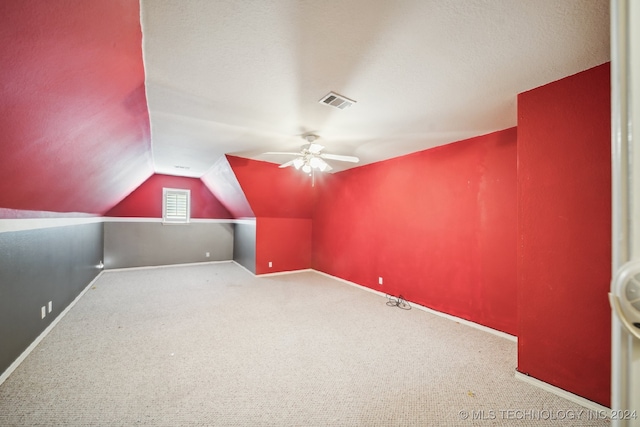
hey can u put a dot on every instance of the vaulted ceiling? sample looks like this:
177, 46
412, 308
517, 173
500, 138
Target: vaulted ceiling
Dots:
98, 95
245, 77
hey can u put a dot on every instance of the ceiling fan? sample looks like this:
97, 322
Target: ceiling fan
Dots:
311, 158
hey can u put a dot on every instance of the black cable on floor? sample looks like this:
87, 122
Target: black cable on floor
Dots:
398, 301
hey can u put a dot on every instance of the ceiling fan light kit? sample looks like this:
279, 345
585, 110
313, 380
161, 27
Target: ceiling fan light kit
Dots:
311, 158
298, 162
309, 162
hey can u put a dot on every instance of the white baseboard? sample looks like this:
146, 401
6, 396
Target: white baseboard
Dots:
44, 333
280, 273
277, 273
596, 407
429, 310
468, 323
151, 267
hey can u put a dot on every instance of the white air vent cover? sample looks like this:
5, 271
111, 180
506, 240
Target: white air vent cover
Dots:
338, 101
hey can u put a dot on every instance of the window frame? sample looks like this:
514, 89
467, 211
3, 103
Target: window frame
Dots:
169, 217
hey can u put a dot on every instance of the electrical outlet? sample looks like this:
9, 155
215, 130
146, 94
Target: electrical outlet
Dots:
50, 307
270, 264
379, 280
207, 254
43, 311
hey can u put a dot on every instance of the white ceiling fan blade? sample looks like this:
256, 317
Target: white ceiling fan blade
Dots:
315, 148
339, 157
289, 163
282, 152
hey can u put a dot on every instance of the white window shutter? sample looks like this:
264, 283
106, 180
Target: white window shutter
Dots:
176, 205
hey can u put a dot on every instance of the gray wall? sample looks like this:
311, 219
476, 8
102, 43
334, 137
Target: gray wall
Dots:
244, 249
37, 266
140, 244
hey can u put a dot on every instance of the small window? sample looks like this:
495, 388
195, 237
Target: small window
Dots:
176, 206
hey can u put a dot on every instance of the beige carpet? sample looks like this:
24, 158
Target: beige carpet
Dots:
211, 345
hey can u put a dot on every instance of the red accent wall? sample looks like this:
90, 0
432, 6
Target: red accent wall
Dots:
282, 200
73, 110
286, 242
439, 226
272, 191
564, 233
146, 200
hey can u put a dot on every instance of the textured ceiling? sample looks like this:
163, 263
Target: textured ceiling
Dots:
244, 77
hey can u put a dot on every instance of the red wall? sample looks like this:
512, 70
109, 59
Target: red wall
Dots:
282, 200
439, 226
73, 110
272, 191
146, 200
286, 242
564, 233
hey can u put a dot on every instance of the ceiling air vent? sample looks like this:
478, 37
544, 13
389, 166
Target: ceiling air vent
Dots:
338, 101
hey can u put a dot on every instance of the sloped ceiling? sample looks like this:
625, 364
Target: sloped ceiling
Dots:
222, 181
245, 77
271, 191
74, 125
84, 120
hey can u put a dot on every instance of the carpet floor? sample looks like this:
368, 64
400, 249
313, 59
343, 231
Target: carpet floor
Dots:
212, 345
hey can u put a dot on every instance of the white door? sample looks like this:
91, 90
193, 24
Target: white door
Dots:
625, 114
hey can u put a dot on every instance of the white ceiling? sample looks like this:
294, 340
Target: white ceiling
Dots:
243, 77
